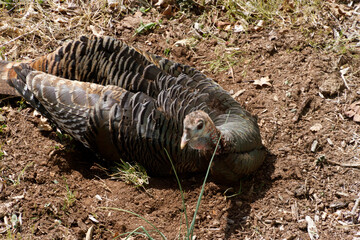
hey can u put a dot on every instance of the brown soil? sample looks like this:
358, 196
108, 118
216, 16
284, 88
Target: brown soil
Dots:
306, 103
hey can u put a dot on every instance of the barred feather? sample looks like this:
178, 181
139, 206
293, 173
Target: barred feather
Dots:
129, 104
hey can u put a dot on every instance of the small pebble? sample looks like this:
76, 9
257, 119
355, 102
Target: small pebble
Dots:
98, 197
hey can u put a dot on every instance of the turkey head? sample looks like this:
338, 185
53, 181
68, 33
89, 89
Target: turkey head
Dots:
199, 132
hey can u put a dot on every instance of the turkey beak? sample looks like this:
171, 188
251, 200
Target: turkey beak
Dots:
184, 140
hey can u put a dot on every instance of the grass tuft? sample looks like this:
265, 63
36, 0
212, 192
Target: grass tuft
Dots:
17, 182
132, 174
144, 28
141, 227
226, 58
69, 198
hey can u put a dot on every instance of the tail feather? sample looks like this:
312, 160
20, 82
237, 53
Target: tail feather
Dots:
22, 71
102, 61
22, 89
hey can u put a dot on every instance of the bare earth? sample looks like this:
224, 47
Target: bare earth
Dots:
305, 104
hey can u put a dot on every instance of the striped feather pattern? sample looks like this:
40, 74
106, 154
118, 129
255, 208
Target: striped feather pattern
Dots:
124, 103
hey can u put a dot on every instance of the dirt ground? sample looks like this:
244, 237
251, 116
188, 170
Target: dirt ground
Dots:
55, 189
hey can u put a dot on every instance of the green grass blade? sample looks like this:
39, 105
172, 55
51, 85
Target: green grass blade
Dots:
135, 232
191, 229
181, 191
23, 172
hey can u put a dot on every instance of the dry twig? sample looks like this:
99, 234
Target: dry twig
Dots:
301, 109
353, 165
355, 206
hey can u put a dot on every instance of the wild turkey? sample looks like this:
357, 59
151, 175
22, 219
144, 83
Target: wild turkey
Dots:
132, 105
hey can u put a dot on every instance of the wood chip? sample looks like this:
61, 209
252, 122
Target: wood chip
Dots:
311, 228
314, 145
353, 211
238, 93
91, 217
89, 233
295, 211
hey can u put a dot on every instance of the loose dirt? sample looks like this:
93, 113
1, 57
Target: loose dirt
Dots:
59, 190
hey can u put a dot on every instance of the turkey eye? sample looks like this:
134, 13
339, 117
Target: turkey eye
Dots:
200, 125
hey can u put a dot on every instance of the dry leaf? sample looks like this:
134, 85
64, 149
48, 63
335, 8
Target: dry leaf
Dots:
354, 111
61, 20
134, 21
227, 28
164, 3
316, 127
222, 25
168, 11
239, 28
97, 32
113, 3
186, 42
263, 81
44, 127
259, 26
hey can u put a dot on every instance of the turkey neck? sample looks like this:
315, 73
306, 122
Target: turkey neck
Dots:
215, 134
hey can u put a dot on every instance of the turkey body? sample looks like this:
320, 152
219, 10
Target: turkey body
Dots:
124, 103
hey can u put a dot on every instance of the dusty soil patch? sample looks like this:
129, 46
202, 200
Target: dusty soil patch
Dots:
57, 187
